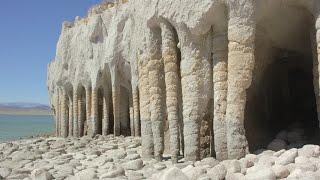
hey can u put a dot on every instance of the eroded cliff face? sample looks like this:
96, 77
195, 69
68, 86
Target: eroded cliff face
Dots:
185, 65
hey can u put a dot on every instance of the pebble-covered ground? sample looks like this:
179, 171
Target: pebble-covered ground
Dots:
119, 158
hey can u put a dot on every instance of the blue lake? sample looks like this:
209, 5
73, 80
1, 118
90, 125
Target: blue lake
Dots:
15, 126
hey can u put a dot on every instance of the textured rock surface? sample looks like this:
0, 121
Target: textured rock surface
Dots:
81, 159
191, 78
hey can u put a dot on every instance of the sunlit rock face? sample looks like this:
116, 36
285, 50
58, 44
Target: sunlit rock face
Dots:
196, 78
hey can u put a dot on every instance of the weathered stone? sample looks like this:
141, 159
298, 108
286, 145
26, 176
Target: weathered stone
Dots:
86, 174
207, 161
280, 171
4, 172
263, 174
287, 157
235, 176
218, 172
173, 174
40, 174
309, 151
133, 165
113, 172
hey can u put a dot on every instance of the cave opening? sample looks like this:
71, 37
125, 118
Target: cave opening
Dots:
281, 108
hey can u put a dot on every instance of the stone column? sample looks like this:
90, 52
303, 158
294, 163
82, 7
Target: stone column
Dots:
146, 130
88, 110
94, 112
169, 55
58, 114
195, 81
64, 117
316, 67
75, 113
80, 115
116, 107
157, 93
220, 88
131, 115
70, 117
241, 33
105, 121
136, 111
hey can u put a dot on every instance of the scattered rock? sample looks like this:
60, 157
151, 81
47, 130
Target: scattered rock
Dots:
5, 172
277, 144
113, 172
309, 151
174, 173
218, 172
40, 174
133, 165
287, 157
86, 174
280, 171
263, 174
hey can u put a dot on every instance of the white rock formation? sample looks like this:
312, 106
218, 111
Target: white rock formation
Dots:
180, 74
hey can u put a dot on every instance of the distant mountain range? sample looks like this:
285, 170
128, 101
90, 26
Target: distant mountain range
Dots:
21, 108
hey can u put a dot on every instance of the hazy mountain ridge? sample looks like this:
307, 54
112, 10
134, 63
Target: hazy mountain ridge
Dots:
24, 108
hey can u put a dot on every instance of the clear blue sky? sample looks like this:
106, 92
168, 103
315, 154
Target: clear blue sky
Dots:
29, 31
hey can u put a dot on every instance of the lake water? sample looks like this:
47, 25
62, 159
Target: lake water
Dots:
16, 126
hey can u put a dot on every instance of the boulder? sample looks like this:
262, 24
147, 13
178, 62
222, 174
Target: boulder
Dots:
113, 172
309, 151
218, 172
194, 172
287, 157
280, 171
210, 161
174, 173
263, 174
132, 156
86, 174
277, 144
159, 166
266, 160
232, 166
40, 174
235, 176
296, 174
133, 165
5, 172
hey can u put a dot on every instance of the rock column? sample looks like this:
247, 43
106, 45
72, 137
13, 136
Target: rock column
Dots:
316, 66
64, 116
136, 111
105, 121
88, 110
131, 113
58, 114
220, 88
195, 79
146, 130
80, 115
156, 92
70, 117
116, 108
131, 121
75, 113
169, 55
94, 110
241, 33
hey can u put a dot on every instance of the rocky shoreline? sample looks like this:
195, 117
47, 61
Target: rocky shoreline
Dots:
108, 157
